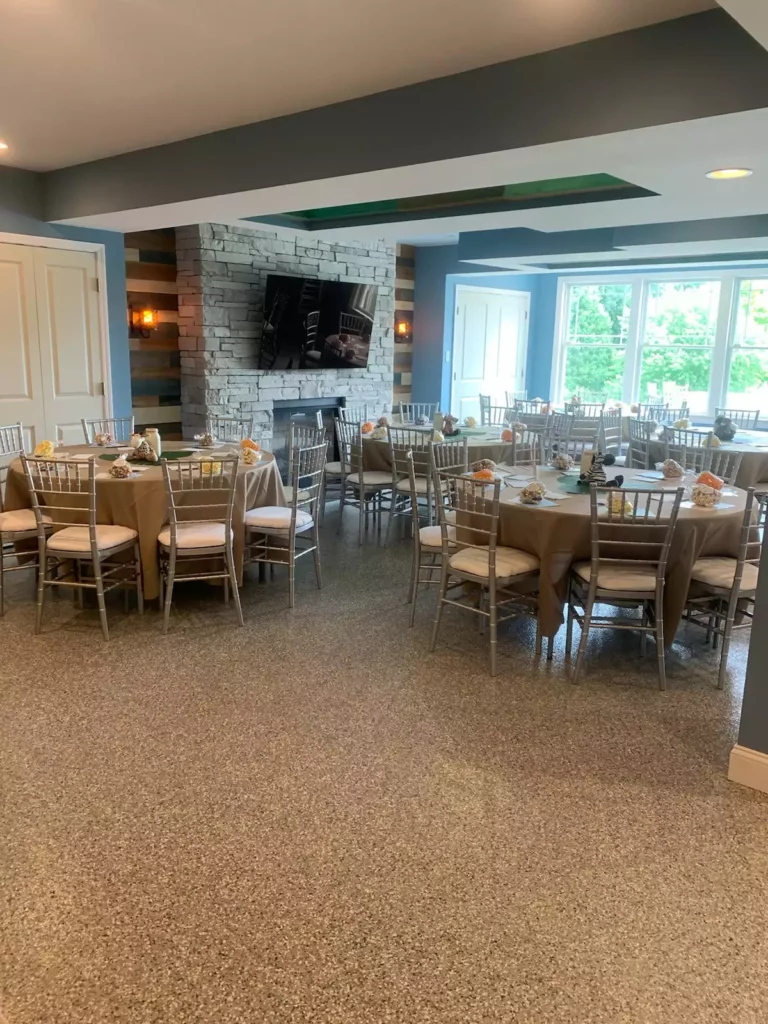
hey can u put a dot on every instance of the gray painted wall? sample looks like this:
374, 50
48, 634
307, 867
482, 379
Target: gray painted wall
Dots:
753, 731
19, 198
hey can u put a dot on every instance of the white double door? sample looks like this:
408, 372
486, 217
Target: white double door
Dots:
52, 369
490, 347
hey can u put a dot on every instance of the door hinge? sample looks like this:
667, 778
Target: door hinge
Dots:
100, 390
98, 285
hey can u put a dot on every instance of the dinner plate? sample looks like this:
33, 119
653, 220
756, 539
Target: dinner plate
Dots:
708, 508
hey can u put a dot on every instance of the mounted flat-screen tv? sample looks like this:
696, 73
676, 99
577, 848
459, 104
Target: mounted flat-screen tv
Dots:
316, 325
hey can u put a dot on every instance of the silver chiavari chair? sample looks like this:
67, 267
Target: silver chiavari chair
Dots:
722, 586
682, 412
16, 525
498, 416
726, 465
230, 428
586, 429
427, 542
505, 577
688, 447
511, 397
485, 408
585, 410
402, 443
531, 407
120, 427
301, 436
63, 496
279, 536
525, 449
410, 412
450, 454
360, 488
201, 496
610, 434
656, 413
745, 419
557, 435
627, 569
641, 436
354, 413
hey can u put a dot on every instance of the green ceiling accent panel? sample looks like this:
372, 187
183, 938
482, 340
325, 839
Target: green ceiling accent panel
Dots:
583, 188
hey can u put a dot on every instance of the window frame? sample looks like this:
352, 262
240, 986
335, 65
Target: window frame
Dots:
725, 327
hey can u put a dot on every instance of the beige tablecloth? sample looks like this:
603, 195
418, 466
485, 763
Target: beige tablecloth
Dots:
754, 459
561, 535
376, 454
140, 503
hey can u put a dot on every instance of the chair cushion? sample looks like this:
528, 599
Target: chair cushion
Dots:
20, 521
334, 469
371, 478
194, 535
431, 536
720, 572
509, 562
274, 517
421, 485
76, 538
622, 577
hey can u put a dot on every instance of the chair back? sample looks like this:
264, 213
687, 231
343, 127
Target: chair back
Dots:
499, 416
585, 410
319, 420
688, 447
230, 428
586, 428
557, 435
641, 434
120, 427
747, 419
638, 535
450, 455
469, 514
649, 411
11, 447
353, 413
523, 407
610, 434
403, 440
307, 470
673, 415
726, 465
752, 535
349, 438
412, 411
350, 323
200, 491
525, 449
64, 490
510, 397
485, 407
303, 436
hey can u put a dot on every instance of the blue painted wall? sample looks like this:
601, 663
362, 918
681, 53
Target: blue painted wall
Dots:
21, 224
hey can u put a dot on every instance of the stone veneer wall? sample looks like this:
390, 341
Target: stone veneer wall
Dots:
222, 275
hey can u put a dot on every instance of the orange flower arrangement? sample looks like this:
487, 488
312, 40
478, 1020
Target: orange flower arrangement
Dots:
367, 427
710, 480
507, 434
483, 474
248, 443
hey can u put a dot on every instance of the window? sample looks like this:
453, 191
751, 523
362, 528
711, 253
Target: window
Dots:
699, 339
748, 370
596, 342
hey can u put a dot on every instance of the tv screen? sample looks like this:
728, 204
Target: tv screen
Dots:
315, 325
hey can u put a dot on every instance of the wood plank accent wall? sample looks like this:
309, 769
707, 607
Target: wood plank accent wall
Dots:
405, 263
150, 269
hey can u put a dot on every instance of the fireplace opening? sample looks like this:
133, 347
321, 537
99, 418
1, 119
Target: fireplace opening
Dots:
303, 411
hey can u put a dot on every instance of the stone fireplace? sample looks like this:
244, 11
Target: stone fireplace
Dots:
302, 411
222, 274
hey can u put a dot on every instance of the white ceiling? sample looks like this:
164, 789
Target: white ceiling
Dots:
83, 79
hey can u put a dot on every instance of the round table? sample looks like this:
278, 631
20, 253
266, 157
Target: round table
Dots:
752, 445
559, 535
140, 502
481, 444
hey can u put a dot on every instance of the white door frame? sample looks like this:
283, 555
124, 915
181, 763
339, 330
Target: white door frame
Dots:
526, 296
41, 241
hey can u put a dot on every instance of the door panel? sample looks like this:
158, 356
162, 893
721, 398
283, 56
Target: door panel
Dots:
489, 348
70, 349
21, 392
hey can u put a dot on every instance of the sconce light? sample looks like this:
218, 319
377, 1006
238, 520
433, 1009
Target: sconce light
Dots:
402, 330
144, 320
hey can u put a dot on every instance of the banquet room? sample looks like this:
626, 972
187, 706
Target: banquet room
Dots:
383, 494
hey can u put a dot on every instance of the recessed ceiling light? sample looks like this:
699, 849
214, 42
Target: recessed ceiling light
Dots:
3, 145
726, 173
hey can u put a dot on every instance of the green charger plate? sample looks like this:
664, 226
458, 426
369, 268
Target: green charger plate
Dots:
171, 456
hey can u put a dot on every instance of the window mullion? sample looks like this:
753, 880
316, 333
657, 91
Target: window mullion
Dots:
721, 354
634, 343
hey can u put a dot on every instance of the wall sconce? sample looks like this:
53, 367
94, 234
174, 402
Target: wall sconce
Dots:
403, 330
144, 320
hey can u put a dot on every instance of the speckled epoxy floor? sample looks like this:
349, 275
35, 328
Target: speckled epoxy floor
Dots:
315, 820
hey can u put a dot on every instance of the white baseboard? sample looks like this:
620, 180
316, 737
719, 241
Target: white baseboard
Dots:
749, 768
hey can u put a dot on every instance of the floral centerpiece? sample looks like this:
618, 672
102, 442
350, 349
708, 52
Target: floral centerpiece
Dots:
532, 493
44, 450
104, 439
120, 468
